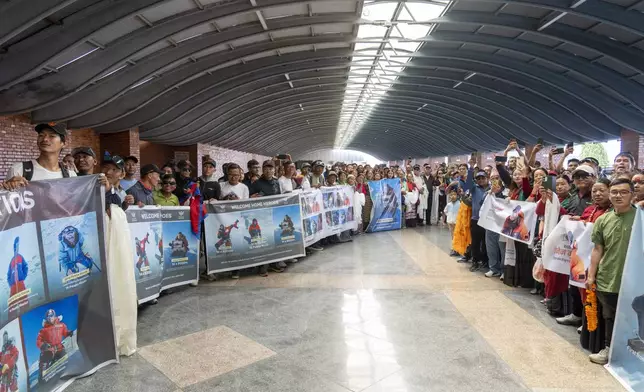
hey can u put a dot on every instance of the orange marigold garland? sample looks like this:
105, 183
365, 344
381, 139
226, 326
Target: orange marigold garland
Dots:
591, 309
462, 235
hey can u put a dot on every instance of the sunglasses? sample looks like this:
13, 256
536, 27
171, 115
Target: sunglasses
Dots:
170, 183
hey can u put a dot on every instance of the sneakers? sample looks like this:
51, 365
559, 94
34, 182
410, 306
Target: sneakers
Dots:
580, 329
571, 319
453, 253
601, 358
463, 260
281, 264
209, 277
235, 274
492, 274
475, 266
316, 247
276, 269
502, 277
293, 261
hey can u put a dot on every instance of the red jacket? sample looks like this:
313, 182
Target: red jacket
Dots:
53, 334
9, 356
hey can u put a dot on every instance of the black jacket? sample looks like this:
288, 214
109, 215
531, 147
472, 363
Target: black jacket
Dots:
265, 187
209, 189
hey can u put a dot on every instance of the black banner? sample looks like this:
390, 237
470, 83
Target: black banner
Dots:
55, 307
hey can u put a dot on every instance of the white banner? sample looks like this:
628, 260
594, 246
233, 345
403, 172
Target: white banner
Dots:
580, 257
513, 219
338, 209
312, 216
557, 248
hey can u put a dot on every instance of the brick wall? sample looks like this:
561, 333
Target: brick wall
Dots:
223, 155
633, 142
124, 143
18, 141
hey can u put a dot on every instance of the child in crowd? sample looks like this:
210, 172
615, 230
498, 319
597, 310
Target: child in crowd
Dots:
451, 212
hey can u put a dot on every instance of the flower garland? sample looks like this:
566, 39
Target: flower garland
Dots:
591, 309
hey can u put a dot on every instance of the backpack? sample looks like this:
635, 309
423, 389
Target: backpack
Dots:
28, 170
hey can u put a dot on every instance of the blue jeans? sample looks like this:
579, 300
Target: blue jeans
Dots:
495, 251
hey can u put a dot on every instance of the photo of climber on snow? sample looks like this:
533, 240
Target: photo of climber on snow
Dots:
287, 221
147, 249
21, 279
141, 253
72, 252
51, 341
223, 236
13, 373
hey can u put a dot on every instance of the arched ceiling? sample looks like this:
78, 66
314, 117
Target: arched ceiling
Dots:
390, 78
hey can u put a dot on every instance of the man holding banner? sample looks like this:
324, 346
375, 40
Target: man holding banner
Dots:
611, 235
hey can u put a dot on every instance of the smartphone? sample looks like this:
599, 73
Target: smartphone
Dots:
540, 141
501, 158
549, 183
558, 151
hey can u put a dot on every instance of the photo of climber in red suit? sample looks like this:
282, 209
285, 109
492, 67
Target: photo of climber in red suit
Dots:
8, 364
18, 270
50, 340
140, 251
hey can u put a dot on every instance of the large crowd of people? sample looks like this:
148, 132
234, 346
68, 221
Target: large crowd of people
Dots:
448, 195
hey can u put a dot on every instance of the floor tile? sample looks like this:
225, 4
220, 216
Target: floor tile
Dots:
200, 356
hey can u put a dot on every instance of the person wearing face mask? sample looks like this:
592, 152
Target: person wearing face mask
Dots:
611, 236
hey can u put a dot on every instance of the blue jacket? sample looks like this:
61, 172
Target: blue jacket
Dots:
477, 192
17, 272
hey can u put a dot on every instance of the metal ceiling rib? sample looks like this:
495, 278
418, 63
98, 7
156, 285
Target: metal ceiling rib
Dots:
391, 78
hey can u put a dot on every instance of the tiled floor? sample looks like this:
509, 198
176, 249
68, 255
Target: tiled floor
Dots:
389, 312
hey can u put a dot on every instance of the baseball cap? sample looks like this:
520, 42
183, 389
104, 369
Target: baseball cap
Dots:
584, 169
416, 167
83, 150
115, 160
184, 163
306, 164
332, 173
590, 160
60, 129
150, 168
480, 174
209, 160
131, 158
318, 163
269, 163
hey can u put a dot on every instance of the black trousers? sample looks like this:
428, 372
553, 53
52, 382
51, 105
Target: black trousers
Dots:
575, 297
428, 211
479, 249
609, 308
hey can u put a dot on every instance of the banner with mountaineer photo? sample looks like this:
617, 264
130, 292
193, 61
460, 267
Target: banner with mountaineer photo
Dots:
164, 248
55, 312
338, 209
251, 232
513, 219
558, 247
386, 213
312, 216
626, 359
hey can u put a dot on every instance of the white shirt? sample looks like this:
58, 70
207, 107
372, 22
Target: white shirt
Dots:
306, 185
451, 211
286, 184
40, 173
240, 190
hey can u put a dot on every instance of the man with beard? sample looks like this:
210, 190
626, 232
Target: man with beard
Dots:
85, 160
71, 251
51, 141
50, 340
8, 361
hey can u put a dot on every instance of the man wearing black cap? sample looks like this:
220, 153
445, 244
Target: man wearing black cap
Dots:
267, 184
208, 184
130, 172
113, 169
184, 181
51, 141
592, 162
142, 190
85, 160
